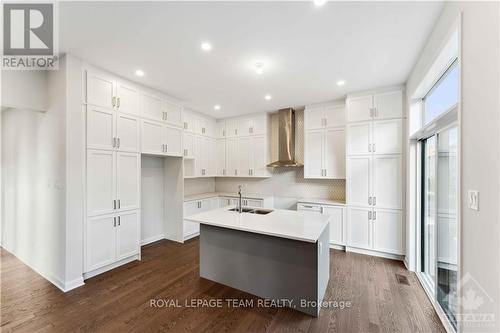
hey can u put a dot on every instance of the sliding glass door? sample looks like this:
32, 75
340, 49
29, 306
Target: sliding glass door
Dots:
439, 231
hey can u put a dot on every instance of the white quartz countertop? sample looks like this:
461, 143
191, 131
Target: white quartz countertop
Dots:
297, 225
322, 201
207, 195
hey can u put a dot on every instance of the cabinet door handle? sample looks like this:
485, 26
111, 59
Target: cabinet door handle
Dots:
325, 172
113, 100
370, 147
374, 149
118, 102
369, 201
166, 115
236, 132
114, 221
185, 125
374, 201
374, 216
119, 221
369, 215
119, 204
118, 139
166, 148
223, 132
114, 142
114, 204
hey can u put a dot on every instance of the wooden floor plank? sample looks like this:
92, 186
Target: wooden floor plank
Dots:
119, 300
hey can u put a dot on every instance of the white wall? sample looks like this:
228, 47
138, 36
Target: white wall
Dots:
152, 198
480, 137
33, 183
24, 90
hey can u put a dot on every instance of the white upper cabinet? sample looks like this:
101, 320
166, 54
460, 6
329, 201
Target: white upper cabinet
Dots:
128, 175
173, 113
378, 106
152, 137
335, 115
244, 126
127, 133
359, 181
220, 129
388, 105
188, 143
173, 141
189, 122
152, 107
244, 155
359, 108
313, 153
231, 128
387, 182
258, 157
359, 138
231, 157
387, 137
101, 182
325, 116
334, 156
258, 124
100, 89
127, 98
100, 128
314, 118
200, 124
220, 157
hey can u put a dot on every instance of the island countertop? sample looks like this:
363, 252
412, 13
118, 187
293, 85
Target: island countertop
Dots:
296, 225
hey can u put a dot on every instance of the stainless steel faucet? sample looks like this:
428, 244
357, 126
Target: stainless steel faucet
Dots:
240, 209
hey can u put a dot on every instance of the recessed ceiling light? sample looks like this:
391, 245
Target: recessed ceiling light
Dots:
319, 3
216, 107
259, 67
340, 83
206, 46
268, 97
139, 73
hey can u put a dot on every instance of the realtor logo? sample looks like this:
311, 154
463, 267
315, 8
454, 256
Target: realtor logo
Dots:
29, 36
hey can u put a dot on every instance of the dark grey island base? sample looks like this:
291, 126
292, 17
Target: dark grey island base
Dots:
270, 267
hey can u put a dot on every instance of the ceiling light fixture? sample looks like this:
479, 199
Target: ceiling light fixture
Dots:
206, 46
268, 97
319, 3
340, 83
139, 73
217, 107
259, 67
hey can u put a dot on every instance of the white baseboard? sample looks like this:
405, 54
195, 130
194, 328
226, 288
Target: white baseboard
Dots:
152, 239
337, 247
188, 237
106, 268
73, 284
375, 253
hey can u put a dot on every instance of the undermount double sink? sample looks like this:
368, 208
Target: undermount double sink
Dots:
252, 210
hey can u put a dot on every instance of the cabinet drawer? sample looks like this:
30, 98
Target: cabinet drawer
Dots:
309, 207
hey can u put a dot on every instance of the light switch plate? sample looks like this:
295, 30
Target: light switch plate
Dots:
473, 199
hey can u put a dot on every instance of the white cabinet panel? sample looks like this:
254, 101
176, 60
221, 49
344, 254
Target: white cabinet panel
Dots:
387, 136
359, 229
388, 231
231, 128
100, 90
100, 127
334, 154
152, 137
313, 118
101, 184
220, 129
128, 133
152, 107
128, 175
127, 98
313, 153
232, 156
173, 113
359, 108
244, 153
334, 116
100, 249
173, 141
387, 181
200, 124
258, 158
358, 180
189, 122
127, 235
359, 138
388, 104
244, 126
259, 125
188, 145
220, 157
337, 224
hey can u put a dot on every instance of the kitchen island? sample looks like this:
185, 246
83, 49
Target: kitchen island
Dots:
280, 255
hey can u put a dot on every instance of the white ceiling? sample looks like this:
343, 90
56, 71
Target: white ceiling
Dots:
306, 49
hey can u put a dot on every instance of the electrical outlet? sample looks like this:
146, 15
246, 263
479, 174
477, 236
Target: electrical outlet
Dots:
473, 198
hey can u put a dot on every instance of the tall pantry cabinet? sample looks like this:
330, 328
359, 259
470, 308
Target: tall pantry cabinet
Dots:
375, 172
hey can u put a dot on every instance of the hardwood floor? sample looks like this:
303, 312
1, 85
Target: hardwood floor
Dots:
119, 300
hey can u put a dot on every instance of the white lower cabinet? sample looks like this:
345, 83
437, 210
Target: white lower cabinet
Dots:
380, 230
337, 220
111, 238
